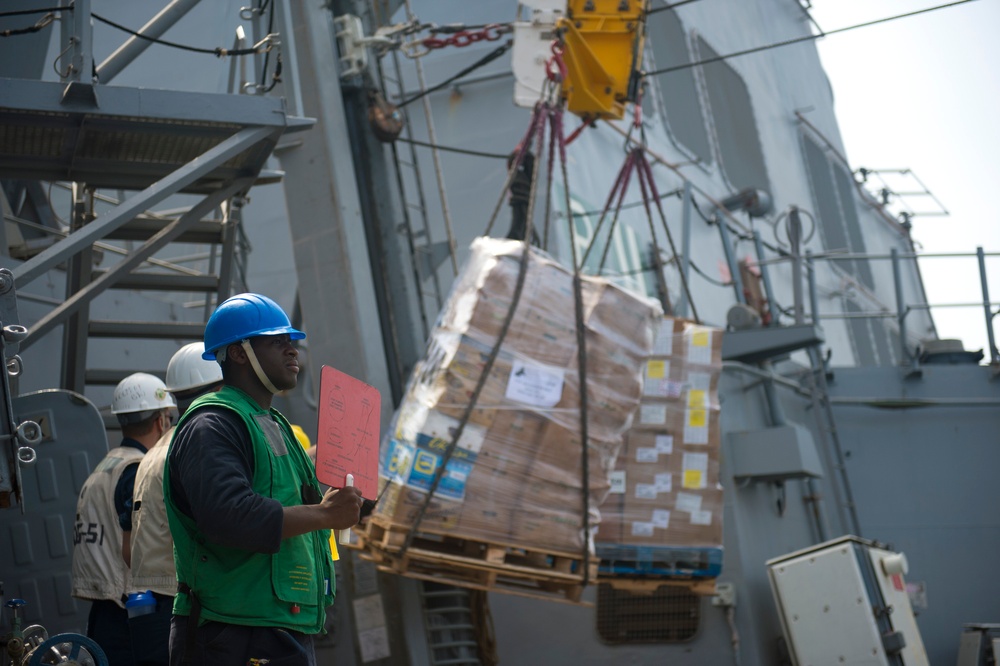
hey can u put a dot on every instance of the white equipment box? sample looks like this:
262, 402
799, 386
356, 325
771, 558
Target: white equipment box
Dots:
845, 602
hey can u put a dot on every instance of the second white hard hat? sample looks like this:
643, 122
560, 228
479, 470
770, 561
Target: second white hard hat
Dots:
187, 369
141, 392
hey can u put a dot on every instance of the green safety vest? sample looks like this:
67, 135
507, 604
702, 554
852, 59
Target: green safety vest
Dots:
290, 588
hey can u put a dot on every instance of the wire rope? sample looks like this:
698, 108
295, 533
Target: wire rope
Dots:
217, 51
489, 57
806, 38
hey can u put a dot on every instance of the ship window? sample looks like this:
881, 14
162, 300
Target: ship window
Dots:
836, 210
861, 334
678, 90
881, 337
666, 614
735, 124
849, 208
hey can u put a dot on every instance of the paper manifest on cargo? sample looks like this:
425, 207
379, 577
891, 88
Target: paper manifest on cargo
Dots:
664, 345
646, 454
661, 518
693, 479
617, 480
642, 529
645, 491
664, 482
687, 502
699, 346
662, 388
535, 384
695, 466
652, 414
697, 398
665, 444
441, 427
657, 369
701, 517
699, 380
696, 426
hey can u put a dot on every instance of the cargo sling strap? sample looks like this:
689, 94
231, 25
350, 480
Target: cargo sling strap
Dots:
636, 162
548, 112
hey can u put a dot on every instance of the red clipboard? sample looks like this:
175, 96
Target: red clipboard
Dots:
348, 434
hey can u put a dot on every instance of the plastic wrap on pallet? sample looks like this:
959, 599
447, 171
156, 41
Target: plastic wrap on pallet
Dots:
663, 515
515, 476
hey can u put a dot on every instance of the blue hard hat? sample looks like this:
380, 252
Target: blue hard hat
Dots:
245, 316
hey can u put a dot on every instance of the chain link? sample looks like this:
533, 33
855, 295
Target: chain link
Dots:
462, 38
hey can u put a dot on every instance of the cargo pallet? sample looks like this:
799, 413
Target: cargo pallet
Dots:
470, 563
659, 561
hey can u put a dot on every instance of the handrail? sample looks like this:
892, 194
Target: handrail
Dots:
843, 256
108, 247
902, 307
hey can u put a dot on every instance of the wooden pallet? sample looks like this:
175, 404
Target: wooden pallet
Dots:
483, 565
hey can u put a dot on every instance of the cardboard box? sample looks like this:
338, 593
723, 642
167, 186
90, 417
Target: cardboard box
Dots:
682, 518
400, 505
687, 422
665, 485
515, 474
552, 530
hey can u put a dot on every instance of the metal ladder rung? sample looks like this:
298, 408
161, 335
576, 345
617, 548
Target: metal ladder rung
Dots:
143, 228
105, 377
150, 330
165, 282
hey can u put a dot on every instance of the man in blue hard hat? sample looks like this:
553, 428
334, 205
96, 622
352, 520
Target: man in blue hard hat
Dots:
249, 523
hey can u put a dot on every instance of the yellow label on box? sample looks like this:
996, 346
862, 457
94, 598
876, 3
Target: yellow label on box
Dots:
700, 339
696, 398
697, 418
692, 478
656, 369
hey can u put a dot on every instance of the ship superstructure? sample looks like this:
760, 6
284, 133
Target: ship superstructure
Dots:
135, 200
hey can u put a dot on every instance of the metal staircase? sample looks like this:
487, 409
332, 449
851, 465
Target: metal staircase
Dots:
147, 145
205, 277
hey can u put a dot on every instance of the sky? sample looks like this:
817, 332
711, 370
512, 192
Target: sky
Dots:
923, 93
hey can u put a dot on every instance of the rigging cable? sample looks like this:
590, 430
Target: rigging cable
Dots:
262, 46
43, 22
489, 57
263, 87
436, 157
708, 279
25, 12
797, 40
487, 368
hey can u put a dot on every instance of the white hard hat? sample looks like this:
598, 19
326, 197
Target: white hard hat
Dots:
187, 369
141, 392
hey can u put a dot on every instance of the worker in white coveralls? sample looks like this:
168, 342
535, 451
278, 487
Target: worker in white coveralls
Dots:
145, 410
147, 545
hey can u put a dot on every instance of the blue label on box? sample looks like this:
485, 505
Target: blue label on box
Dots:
416, 466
